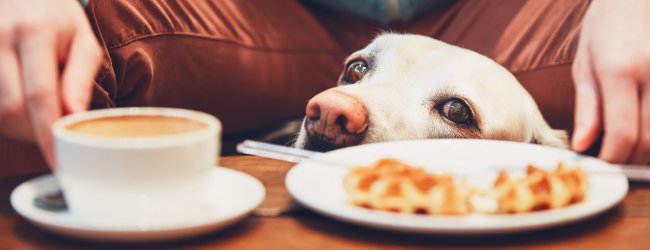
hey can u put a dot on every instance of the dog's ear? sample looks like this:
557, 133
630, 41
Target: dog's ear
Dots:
551, 137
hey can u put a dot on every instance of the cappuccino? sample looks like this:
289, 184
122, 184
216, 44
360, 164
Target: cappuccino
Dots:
135, 164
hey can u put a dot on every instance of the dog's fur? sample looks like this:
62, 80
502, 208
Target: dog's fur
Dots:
410, 76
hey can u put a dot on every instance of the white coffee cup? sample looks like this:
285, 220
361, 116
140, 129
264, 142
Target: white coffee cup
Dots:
135, 177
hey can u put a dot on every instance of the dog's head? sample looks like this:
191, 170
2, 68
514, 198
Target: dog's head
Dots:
413, 87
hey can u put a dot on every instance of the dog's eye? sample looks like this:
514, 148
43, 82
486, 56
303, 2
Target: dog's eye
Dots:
457, 111
355, 71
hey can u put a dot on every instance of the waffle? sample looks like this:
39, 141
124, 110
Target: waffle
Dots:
392, 185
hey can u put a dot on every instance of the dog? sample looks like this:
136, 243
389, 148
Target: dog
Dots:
405, 87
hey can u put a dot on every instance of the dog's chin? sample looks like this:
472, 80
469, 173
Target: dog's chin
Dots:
323, 144
319, 143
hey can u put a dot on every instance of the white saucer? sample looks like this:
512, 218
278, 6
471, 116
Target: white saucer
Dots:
235, 195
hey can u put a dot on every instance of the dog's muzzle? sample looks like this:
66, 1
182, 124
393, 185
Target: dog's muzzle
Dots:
334, 120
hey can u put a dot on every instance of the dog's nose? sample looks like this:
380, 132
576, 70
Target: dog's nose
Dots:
336, 116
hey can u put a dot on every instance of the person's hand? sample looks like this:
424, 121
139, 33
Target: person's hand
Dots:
612, 80
48, 59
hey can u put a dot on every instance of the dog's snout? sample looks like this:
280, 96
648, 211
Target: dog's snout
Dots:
334, 108
337, 118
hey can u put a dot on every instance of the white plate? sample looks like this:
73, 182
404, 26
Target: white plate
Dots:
234, 195
319, 187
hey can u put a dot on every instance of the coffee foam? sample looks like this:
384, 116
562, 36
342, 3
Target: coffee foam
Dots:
136, 126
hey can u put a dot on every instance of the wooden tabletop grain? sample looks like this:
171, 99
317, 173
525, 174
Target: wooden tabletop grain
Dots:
624, 227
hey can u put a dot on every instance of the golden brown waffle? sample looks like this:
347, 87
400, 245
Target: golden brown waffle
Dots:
392, 185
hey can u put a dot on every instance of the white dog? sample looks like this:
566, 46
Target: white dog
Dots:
404, 87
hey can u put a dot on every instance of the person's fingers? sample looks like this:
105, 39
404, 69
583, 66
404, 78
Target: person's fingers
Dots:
37, 53
587, 122
80, 69
621, 115
13, 119
641, 154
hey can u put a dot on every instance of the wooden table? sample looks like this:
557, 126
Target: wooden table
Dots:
624, 227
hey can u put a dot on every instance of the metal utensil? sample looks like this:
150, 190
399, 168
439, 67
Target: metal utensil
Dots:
52, 201
286, 153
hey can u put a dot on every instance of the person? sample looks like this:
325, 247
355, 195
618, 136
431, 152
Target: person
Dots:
255, 64
612, 81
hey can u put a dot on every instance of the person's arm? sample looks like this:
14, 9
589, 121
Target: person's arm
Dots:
48, 59
612, 79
